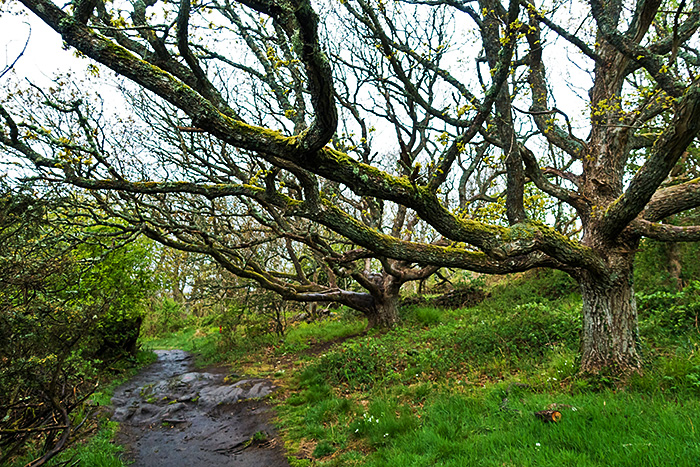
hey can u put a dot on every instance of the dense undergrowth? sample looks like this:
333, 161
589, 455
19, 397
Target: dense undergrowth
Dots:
93, 445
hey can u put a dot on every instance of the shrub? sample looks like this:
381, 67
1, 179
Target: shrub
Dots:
671, 312
359, 364
164, 317
68, 310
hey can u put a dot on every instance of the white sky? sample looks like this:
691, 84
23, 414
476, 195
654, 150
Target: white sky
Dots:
44, 55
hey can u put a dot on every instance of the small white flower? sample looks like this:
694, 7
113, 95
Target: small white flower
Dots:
537, 444
574, 409
357, 430
386, 434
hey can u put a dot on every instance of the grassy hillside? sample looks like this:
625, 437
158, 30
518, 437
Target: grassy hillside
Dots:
460, 387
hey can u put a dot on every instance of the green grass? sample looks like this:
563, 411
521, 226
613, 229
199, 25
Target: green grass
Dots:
600, 429
432, 391
460, 387
98, 451
323, 331
463, 423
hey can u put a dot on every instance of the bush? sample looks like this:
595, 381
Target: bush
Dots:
358, 364
69, 308
652, 265
164, 317
670, 312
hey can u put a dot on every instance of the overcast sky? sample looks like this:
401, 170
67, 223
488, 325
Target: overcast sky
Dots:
44, 54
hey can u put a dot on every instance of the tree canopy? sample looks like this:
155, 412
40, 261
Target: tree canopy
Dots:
420, 133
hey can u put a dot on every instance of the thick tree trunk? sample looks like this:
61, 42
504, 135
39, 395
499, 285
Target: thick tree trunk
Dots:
610, 332
385, 312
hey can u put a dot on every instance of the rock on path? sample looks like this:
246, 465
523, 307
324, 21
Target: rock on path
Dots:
173, 416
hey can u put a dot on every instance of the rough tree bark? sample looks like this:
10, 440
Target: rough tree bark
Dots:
610, 334
385, 312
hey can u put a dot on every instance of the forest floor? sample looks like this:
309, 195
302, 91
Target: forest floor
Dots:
172, 414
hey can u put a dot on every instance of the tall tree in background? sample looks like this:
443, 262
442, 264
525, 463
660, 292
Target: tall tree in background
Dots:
463, 96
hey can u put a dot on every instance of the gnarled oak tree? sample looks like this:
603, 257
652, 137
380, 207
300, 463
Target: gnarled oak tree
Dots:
462, 96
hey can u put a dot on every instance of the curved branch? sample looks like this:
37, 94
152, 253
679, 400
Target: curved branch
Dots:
301, 26
19, 55
578, 43
183, 46
651, 62
666, 232
673, 200
520, 247
356, 300
643, 17
664, 156
533, 171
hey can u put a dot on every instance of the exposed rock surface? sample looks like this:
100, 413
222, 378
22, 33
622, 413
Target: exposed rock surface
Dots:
174, 416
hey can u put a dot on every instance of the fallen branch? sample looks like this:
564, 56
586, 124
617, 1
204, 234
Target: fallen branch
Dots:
548, 415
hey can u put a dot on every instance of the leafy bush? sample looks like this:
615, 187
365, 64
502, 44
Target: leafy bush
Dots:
359, 363
164, 317
673, 312
652, 272
68, 309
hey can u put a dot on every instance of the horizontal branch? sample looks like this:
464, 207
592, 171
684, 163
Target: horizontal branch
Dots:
673, 200
520, 247
666, 232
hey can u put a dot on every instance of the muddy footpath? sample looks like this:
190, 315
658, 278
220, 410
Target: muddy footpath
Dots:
173, 415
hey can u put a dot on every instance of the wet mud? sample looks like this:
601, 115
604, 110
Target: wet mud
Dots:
173, 415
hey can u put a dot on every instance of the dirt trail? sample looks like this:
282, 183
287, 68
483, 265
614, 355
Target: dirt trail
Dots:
172, 415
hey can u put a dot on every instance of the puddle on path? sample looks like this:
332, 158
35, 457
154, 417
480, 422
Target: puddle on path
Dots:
172, 415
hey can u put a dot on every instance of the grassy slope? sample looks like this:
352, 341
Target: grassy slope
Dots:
459, 388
